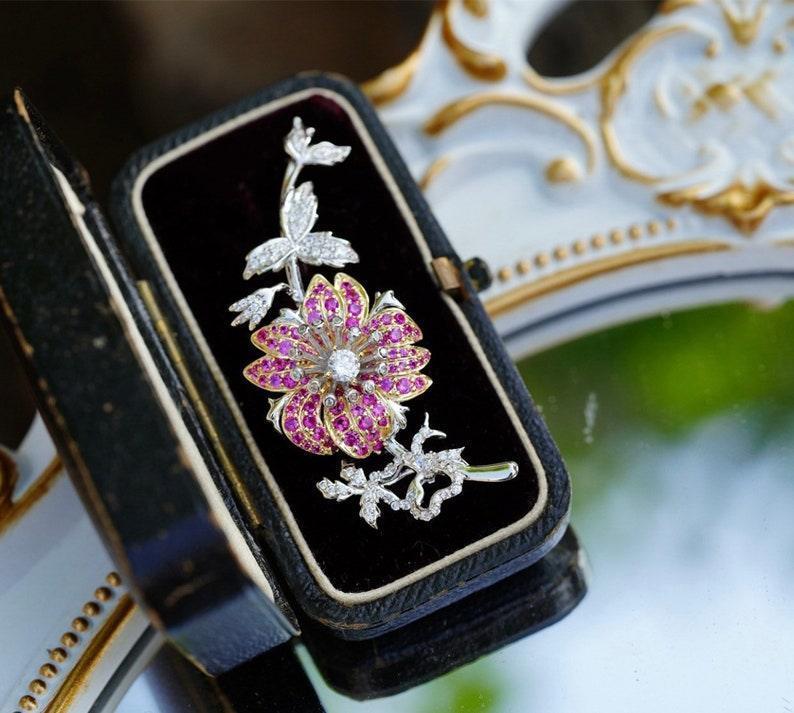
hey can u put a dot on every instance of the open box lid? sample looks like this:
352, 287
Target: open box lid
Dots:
117, 411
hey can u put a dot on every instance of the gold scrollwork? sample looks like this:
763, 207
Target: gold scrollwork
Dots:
8, 480
11, 510
614, 85
486, 66
745, 206
456, 110
744, 28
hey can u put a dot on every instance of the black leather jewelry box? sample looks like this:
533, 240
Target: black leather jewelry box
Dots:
209, 511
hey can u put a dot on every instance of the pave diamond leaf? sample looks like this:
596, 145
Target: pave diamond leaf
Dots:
297, 141
325, 249
327, 154
253, 308
299, 211
298, 146
272, 255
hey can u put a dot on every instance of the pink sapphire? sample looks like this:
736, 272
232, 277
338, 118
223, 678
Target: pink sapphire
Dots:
354, 308
420, 382
383, 422
395, 334
403, 385
386, 319
314, 317
341, 423
361, 450
365, 423
369, 400
337, 408
289, 382
331, 304
351, 322
379, 409
357, 411
351, 438
311, 304
399, 318
291, 424
386, 384
275, 380
309, 421
378, 447
319, 434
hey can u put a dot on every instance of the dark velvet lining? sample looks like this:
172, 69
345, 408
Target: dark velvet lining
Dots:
208, 208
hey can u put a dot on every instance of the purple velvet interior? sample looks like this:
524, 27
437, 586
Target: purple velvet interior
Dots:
210, 207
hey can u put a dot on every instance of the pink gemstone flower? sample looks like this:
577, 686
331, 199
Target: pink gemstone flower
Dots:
343, 368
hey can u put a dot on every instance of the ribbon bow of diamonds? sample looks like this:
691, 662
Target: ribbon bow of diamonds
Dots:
343, 365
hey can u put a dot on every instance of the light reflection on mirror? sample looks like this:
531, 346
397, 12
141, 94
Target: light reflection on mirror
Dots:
678, 432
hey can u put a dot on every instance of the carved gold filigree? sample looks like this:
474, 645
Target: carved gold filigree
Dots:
745, 206
744, 24
614, 85
486, 66
453, 112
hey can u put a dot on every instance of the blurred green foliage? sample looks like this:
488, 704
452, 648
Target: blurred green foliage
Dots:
667, 373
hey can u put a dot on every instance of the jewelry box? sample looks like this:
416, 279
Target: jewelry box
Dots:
215, 519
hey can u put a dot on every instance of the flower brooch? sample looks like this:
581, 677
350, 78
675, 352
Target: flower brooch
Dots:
343, 365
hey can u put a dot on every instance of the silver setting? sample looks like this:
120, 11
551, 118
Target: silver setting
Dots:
373, 489
339, 360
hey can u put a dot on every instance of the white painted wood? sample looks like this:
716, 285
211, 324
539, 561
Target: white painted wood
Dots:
699, 103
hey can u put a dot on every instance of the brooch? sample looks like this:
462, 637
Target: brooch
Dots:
344, 365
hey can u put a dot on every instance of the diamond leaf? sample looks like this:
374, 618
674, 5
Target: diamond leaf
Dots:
271, 255
299, 212
297, 141
253, 308
325, 249
327, 154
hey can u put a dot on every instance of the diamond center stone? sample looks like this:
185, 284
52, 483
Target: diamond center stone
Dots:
343, 366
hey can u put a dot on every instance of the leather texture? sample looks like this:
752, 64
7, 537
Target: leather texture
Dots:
104, 412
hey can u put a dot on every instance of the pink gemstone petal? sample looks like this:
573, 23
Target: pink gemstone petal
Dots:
272, 373
403, 388
322, 301
355, 299
279, 339
301, 423
406, 360
395, 327
359, 429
